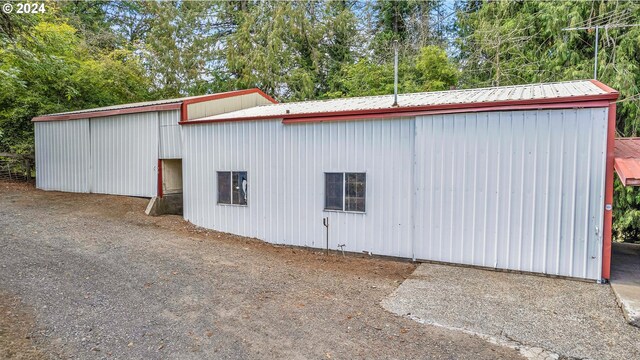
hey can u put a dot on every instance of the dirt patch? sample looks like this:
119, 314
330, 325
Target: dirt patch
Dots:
105, 280
16, 325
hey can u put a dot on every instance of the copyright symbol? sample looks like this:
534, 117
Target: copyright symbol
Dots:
7, 8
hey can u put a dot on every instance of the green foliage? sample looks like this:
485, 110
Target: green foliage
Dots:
430, 70
177, 49
626, 212
83, 54
504, 43
293, 50
47, 67
433, 69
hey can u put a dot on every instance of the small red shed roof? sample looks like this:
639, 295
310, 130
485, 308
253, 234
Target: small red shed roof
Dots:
627, 160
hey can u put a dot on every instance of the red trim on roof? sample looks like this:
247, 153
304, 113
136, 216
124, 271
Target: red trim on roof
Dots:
603, 87
102, 113
179, 104
559, 102
228, 95
183, 113
185, 117
587, 104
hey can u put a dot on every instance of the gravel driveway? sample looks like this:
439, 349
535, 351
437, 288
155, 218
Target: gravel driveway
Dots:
90, 276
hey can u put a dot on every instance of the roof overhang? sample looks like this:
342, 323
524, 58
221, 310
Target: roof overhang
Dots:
627, 160
178, 104
555, 103
585, 101
103, 113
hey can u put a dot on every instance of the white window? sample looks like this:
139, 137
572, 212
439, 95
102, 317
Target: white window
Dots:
232, 187
345, 191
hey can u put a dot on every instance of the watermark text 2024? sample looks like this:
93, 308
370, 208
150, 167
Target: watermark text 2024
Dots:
23, 8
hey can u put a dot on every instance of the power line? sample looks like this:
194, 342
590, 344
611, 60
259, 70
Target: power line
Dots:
636, 96
596, 27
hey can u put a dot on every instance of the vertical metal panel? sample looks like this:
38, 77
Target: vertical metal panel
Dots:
124, 154
286, 166
62, 155
518, 190
170, 135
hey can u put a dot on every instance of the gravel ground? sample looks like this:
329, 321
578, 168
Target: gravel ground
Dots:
90, 276
570, 318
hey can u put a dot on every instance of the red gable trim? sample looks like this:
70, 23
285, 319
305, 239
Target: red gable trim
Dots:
184, 117
102, 113
180, 104
604, 87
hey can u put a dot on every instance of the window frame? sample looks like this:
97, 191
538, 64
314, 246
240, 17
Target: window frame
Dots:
344, 192
231, 203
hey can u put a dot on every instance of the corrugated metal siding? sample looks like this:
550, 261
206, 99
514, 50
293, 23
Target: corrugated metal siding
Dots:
512, 190
286, 165
124, 154
518, 190
62, 155
170, 135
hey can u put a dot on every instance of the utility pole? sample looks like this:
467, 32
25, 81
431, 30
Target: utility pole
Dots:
597, 29
395, 73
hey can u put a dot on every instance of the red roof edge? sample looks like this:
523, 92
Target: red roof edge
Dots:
180, 104
183, 114
229, 94
600, 100
102, 113
604, 87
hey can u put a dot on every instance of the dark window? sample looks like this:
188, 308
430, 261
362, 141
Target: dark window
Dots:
345, 191
334, 191
224, 187
232, 187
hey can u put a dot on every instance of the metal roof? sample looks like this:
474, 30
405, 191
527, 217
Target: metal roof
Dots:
582, 90
144, 106
627, 160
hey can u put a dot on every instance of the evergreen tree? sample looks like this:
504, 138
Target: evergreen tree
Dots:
504, 43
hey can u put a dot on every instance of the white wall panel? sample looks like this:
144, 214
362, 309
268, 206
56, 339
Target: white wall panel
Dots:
519, 190
286, 166
170, 135
124, 154
62, 155
512, 190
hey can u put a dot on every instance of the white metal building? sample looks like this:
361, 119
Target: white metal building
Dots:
515, 177
124, 149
